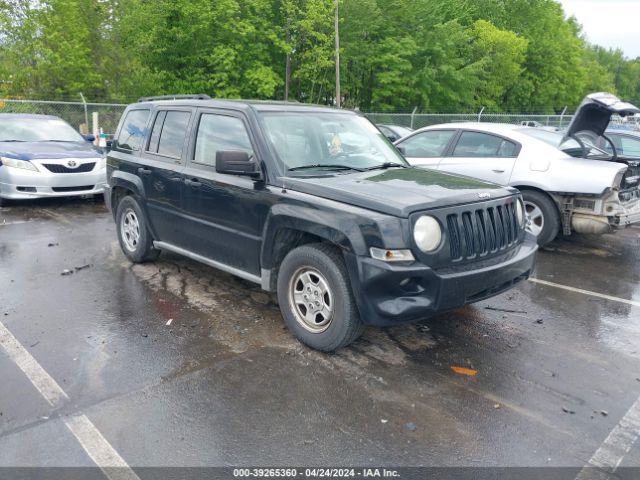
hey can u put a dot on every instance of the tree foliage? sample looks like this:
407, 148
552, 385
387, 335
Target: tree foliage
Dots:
437, 55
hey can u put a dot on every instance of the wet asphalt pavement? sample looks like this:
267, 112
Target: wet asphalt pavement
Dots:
177, 364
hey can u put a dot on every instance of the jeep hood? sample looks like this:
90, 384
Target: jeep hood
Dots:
399, 191
594, 114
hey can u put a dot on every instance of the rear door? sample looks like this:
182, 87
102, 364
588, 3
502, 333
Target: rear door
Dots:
427, 148
163, 161
225, 213
482, 155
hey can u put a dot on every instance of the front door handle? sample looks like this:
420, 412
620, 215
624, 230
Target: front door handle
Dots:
193, 183
497, 170
144, 171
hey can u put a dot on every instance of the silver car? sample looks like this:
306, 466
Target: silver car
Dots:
567, 182
43, 156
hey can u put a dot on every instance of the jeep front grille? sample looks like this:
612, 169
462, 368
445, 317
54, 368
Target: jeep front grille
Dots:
478, 232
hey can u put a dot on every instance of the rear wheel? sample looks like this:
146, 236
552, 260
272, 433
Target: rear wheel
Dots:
544, 218
133, 233
315, 298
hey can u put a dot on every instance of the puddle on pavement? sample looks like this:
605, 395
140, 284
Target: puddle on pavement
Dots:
243, 317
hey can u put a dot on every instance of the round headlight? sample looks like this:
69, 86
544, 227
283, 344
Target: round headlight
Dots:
520, 212
427, 233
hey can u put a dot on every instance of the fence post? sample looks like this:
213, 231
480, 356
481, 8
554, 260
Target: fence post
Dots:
96, 127
413, 114
86, 115
562, 116
480, 114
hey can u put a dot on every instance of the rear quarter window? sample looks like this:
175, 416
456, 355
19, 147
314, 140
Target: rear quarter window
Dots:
133, 130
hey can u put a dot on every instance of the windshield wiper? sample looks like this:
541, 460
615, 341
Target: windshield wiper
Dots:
327, 166
385, 165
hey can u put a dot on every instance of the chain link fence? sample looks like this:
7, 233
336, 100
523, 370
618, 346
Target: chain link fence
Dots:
75, 113
420, 120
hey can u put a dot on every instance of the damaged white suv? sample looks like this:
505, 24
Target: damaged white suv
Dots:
568, 184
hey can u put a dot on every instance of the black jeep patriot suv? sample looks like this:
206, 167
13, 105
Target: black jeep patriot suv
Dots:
315, 204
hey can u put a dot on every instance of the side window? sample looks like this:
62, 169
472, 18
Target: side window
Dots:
431, 143
477, 144
630, 147
155, 132
172, 133
133, 130
219, 132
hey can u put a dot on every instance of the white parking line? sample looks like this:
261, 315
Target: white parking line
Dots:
608, 457
90, 438
585, 292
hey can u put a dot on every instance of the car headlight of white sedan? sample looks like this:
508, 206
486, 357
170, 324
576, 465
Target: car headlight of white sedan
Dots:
15, 163
427, 233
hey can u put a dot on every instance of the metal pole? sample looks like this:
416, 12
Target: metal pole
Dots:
413, 114
480, 114
86, 115
337, 29
562, 116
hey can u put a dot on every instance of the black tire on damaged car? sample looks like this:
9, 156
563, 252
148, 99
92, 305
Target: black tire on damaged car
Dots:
130, 218
546, 217
328, 286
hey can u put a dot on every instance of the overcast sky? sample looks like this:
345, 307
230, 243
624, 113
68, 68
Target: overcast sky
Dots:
610, 23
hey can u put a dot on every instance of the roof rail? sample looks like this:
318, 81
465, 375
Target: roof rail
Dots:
195, 96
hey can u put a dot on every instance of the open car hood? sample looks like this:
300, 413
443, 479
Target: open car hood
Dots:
594, 114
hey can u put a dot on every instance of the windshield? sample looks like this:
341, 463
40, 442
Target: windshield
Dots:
326, 141
570, 146
33, 129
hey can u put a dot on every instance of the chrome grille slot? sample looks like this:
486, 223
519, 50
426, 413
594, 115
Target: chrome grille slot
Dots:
454, 236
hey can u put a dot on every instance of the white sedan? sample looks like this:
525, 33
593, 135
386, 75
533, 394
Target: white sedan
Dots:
567, 183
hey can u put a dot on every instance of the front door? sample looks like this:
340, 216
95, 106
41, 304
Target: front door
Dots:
426, 148
225, 213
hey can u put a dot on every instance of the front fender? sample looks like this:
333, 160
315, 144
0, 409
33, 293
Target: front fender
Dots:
339, 228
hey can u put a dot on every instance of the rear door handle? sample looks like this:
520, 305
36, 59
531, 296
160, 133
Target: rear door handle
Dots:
193, 183
497, 170
144, 171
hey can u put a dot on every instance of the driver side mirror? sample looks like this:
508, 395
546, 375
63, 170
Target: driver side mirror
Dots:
234, 162
89, 137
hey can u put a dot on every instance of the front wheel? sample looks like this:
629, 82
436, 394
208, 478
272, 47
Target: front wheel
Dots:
133, 233
544, 219
315, 298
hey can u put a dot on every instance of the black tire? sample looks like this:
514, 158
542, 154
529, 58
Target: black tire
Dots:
137, 248
325, 263
546, 222
4, 202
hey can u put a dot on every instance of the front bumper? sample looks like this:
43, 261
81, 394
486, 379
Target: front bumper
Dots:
20, 184
389, 294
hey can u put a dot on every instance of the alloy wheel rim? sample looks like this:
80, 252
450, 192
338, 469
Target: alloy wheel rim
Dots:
130, 229
311, 299
535, 225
